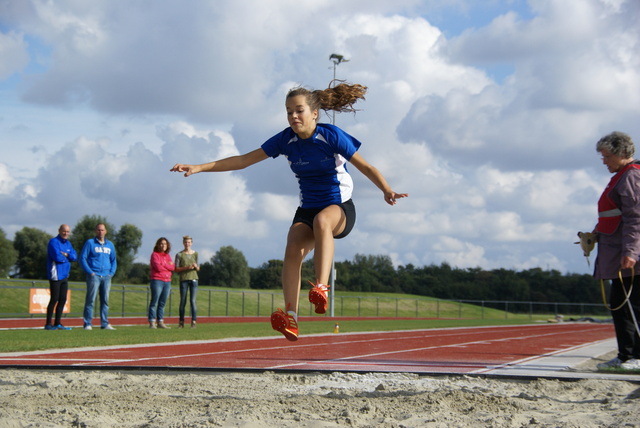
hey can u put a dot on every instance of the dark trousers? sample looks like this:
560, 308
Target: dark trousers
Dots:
58, 292
626, 333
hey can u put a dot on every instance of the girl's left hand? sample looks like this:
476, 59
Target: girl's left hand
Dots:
390, 197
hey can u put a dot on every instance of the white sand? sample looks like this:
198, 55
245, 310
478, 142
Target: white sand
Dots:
36, 398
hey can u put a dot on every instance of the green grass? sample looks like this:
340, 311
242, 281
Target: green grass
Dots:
40, 339
130, 300
212, 301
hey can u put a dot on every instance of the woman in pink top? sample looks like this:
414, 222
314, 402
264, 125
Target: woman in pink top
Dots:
161, 268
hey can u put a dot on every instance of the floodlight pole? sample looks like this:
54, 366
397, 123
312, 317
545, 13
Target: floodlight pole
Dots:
336, 59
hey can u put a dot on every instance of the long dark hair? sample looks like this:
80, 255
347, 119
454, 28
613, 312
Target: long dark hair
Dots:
339, 98
157, 248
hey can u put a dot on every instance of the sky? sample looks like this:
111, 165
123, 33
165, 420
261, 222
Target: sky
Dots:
485, 112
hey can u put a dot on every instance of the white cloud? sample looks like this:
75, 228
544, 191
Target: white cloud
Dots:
459, 253
13, 54
501, 173
7, 182
574, 79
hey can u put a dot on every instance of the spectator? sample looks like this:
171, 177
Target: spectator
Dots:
98, 260
618, 232
187, 266
161, 268
60, 254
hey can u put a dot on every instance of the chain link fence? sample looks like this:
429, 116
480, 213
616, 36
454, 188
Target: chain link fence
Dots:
133, 301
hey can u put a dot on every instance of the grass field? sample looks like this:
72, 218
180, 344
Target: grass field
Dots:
128, 301
213, 301
132, 300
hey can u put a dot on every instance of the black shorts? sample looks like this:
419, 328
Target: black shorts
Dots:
306, 216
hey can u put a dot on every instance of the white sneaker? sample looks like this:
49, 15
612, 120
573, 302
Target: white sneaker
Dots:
632, 364
108, 327
611, 364
88, 327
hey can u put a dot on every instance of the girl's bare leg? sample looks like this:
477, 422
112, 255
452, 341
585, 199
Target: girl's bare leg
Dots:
300, 242
328, 223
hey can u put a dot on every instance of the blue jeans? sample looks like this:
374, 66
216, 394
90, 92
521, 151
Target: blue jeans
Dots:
159, 292
190, 287
97, 283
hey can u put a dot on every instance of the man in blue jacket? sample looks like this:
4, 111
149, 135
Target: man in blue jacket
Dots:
98, 260
60, 254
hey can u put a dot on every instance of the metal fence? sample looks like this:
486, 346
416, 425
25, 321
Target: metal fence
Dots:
133, 300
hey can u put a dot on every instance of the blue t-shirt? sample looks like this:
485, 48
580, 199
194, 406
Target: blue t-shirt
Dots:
319, 163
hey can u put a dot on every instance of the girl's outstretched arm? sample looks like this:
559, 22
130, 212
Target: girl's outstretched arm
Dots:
376, 178
227, 164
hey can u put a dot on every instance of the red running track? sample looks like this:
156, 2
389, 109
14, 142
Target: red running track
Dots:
451, 350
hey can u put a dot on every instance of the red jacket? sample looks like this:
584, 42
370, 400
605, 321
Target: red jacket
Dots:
161, 266
619, 224
609, 214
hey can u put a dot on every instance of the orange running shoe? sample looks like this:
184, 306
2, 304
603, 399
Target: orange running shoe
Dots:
285, 323
318, 296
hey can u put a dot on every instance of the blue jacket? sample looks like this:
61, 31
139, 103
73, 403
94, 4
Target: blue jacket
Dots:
58, 266
97, 258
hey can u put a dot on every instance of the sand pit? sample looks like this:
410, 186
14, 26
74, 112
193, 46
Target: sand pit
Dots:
38, 398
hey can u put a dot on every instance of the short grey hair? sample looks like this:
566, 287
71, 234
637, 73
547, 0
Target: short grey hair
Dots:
618, 144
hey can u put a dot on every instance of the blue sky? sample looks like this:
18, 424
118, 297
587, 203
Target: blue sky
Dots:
486, 113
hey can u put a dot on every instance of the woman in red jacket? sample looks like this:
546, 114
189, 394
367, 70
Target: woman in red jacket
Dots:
161, 268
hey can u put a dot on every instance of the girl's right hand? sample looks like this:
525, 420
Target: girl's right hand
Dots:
186, 168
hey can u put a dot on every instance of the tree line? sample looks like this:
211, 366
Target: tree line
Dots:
26, 257
376, 273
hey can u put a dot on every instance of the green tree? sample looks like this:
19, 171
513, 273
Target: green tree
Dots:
205, 276
139, 273
268, 275
408, 279
371, 273
127, 240
31, 245
230, 268
308, 272
8, 254
585, 288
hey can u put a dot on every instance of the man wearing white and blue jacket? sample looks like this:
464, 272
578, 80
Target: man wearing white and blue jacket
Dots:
98, 260
60, 254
